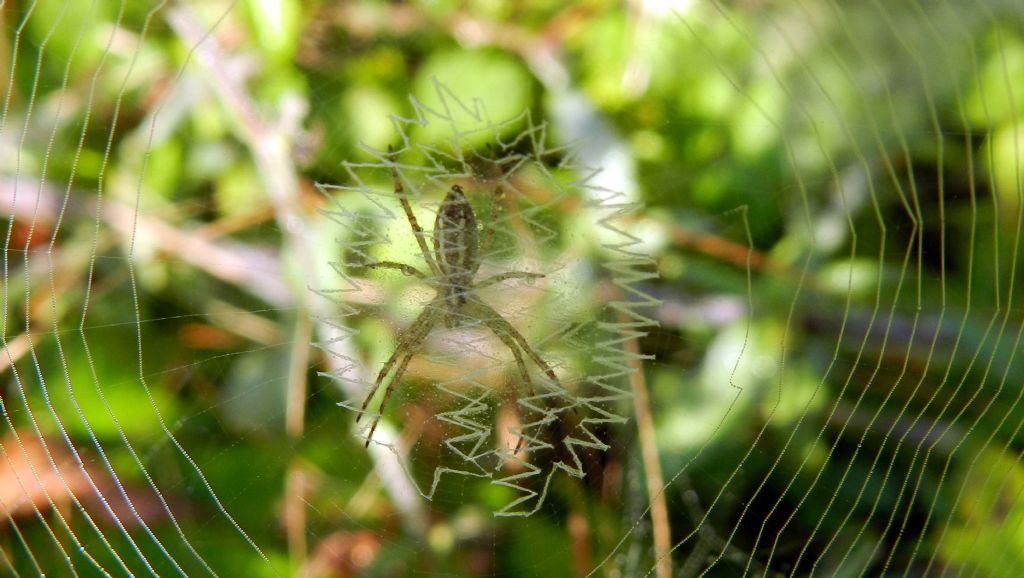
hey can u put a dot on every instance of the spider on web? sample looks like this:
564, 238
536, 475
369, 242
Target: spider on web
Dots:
453, 263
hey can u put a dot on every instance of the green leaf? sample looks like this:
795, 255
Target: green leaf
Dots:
490, 77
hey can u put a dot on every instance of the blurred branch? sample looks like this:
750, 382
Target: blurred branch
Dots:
252, 269
942, 435
270, 145
579, 544
15, 348
255, 270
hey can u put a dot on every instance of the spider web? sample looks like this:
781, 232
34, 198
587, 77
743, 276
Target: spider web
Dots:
884, 452
838, 231
557, 423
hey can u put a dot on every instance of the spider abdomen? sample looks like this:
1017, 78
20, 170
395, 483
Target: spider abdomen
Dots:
456, 244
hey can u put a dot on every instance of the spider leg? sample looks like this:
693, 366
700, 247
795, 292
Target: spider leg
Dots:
514, 348
517, 344
500, 277
407, 344
387, 393
523, 372
496, 323
406, 269
399, 350
418, 232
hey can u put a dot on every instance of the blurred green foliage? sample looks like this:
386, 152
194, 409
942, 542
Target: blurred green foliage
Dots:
833, 195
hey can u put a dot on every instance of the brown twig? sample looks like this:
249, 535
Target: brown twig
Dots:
295, 489
579, 544
295, 406
649, 455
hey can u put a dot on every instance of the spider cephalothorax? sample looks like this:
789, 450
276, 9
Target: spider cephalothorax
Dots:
453, 265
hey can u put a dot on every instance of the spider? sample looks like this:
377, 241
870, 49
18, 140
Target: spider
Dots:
453, 266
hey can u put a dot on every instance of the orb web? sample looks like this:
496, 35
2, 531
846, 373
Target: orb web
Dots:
832, 192
490, 417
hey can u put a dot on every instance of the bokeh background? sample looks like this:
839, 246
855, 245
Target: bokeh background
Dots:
831, 193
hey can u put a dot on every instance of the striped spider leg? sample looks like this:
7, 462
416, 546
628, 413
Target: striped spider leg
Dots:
454, 263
